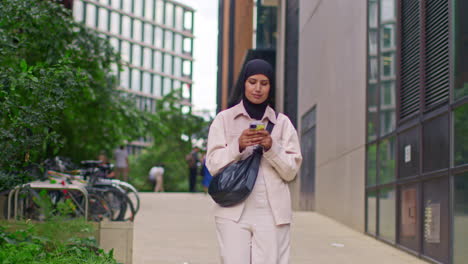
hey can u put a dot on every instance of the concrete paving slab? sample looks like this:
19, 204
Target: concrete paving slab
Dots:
178, 228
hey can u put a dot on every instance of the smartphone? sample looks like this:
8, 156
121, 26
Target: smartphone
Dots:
257, 125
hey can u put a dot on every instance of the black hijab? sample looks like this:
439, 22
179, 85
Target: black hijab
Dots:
256, 66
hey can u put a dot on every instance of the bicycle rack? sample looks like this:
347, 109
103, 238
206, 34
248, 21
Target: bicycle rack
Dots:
45, 186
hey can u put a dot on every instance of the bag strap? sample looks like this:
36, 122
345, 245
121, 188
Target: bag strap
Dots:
270, 125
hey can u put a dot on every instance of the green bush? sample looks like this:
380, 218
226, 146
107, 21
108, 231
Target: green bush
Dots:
51, 242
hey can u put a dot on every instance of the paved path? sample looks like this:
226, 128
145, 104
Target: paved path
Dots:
177, 228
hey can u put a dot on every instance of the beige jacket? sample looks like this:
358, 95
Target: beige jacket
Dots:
279, 165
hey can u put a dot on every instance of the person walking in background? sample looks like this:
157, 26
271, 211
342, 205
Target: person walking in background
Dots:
256, 230
206, 175
192, 161
156, 176
121, 163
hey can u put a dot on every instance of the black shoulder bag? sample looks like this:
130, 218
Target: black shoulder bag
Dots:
234, 184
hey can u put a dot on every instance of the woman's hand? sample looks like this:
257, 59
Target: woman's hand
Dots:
251, 137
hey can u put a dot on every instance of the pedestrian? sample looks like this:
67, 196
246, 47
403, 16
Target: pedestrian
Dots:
156, 176
121, 163
192, 161
256, 230
206, 175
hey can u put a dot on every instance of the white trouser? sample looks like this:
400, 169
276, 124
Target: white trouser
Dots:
255, 239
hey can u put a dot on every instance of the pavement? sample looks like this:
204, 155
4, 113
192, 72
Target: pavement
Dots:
178, 228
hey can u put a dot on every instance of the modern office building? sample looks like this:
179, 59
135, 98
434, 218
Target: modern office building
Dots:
378, 91
155, 39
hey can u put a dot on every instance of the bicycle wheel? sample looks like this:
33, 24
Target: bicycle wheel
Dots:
98, 208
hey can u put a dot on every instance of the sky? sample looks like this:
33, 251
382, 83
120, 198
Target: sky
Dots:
205, 53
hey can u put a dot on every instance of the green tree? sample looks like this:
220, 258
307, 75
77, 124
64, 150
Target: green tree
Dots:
57, 88
173, 132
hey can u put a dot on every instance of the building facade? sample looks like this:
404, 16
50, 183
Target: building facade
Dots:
378, 91
155, 40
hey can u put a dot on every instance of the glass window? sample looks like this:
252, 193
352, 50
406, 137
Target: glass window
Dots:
136, 55
114, 43
373, 69
387, 160
461, 49
387, 107
387, 10
115, 23
460, 219
126, 26
187, 45
388, 36
461, 135
178, 43
157, 61
157, 87
387, 214
168, 40
136, 86
169, 14
409, 217
372, 111
158, 37
436, 144
137, 29
127, 6
103, 19
146, 83
167, 86
187, 68
159, 11
177, 66
373, 14
436, 221
168, 64
147, 58
125, 51
148, 37
371, 212
125, 77
186, 90
188, 20
388, 65
149, 9
179, 17
78, 8
372, 42
371, 165
177, 85
91, 15
138, 5
115, 4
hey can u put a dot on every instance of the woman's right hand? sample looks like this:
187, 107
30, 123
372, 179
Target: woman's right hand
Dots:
249, 138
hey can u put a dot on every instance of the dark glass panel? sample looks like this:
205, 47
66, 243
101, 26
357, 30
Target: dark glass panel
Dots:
436, 144
387, 225
461, 135
408, 149
460, 219
371, 211
387, 160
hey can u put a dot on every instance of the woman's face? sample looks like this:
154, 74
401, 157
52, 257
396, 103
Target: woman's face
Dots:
257, 88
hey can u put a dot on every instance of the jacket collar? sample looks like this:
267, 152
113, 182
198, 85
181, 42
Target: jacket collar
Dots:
239, 110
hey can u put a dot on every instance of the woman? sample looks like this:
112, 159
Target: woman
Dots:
258, 229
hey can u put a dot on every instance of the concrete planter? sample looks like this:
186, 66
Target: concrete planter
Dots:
117, 236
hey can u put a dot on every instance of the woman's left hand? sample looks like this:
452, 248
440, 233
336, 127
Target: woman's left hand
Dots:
266, 140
